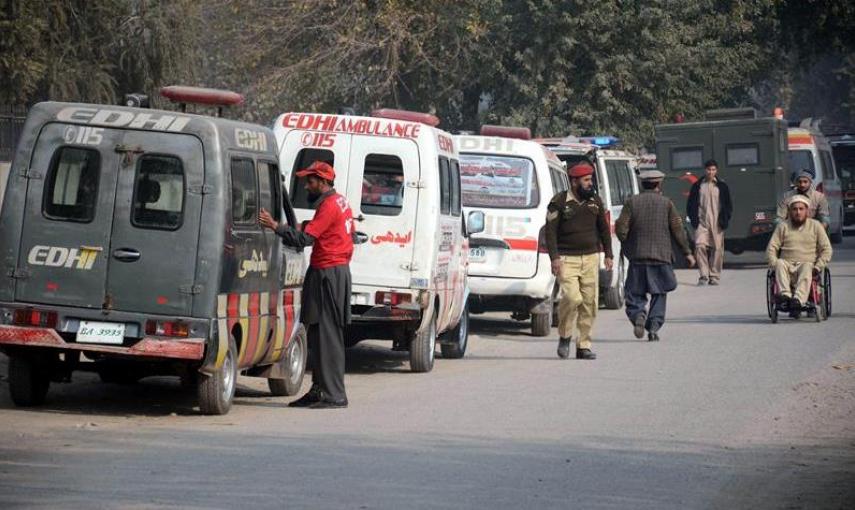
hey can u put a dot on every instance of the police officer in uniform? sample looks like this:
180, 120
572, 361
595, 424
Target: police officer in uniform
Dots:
576, 232
326, 289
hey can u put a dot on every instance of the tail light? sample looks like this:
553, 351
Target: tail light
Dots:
32, 317
167, 328
541, 241
391, 298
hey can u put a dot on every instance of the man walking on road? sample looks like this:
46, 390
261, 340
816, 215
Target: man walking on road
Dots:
709, 209
576, 232
646, 226
326, 289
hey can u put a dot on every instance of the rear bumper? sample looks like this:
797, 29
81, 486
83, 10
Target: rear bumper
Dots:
538, 287
146, 347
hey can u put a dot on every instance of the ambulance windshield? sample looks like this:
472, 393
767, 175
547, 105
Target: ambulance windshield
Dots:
498, 182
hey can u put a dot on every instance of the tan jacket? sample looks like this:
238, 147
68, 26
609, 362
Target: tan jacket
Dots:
808, 243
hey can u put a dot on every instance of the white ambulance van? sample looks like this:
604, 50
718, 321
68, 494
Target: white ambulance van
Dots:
401, 176
511, 179
615, 180
808, 148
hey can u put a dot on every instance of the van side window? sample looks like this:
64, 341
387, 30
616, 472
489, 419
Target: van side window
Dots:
71, 188
686, 158
158, 193
382, 185
455, 187
827, 166
444, 191
266, 186
244, 193
742, 154
297, 189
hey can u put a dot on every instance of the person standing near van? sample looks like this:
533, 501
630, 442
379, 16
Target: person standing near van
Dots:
576, 232
647, 224
803, 186
326, 288
709, 209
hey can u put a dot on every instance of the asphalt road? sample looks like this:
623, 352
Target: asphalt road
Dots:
727, 411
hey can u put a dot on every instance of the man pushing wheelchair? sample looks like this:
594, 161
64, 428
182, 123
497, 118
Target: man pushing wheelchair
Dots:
798, 252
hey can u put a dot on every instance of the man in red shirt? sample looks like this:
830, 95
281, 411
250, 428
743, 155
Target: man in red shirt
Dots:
326, 289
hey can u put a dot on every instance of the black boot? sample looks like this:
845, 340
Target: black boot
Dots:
312, 396
795, 308
563, 348
585, 354
652, 336
638, 325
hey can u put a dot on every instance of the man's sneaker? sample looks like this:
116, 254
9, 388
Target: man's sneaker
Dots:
563, 348
702, 281
585, 354
311, 397
652, 336
713, 281
638, 325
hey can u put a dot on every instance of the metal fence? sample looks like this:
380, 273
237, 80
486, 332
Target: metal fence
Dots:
11, 124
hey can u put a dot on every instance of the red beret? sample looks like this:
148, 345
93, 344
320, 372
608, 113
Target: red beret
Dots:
319, 168
581, 170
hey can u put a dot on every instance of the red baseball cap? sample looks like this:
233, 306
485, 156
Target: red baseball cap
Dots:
581, 170
320, 168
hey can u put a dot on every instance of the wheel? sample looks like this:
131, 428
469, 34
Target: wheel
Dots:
541, 324
29, 380
295, 361
422, 348
217, 390
770, 298
837, 237
826, 291
614, 295
456, 340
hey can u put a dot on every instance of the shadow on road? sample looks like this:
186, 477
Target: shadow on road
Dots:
722, 319
494, 327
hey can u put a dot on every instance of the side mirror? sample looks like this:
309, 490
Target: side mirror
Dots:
475, 222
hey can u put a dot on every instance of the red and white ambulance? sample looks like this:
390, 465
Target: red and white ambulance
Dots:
401, 175
511, 179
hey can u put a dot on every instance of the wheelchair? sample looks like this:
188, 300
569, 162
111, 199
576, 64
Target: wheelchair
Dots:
819, 297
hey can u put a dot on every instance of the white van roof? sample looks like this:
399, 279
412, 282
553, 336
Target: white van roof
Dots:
503, 146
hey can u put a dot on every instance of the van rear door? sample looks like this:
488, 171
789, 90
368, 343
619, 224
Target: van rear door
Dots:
68, 216
156, 224
383, 192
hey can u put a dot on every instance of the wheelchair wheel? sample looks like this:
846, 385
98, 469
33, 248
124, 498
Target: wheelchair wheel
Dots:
826, 291
771, 307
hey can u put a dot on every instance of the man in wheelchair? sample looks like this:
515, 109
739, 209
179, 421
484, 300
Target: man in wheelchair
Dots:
798, 250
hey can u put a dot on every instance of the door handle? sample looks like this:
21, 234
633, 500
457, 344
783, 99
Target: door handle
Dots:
359, 218
126, 255
361, 237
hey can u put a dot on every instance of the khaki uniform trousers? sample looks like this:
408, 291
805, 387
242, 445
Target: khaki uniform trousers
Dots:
709, 252
803, 273
580, 288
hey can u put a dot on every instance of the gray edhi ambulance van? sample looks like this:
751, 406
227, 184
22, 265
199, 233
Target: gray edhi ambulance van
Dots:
129, 244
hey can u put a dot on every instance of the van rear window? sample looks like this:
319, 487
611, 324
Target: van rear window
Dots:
158, 193
71, 187
498, 181
382, 185
801, 160
687, 158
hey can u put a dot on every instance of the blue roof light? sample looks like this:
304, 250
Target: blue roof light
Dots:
602, 141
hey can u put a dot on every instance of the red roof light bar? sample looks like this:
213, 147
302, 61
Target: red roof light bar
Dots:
390, 113
521, 133
200, 95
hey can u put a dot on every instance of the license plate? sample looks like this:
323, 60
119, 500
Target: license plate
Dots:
101, 333
477, 254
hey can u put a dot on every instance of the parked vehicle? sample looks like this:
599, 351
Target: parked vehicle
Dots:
843, 150
615, 181
401, 175
511, 179
751, 153
130, 236
808, 148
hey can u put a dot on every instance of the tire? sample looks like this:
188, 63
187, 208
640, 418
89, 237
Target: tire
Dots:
541, 324
837, 237
456, 339
29, 380
771, 306
295, 363
614, 295
422, 349
216, 391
